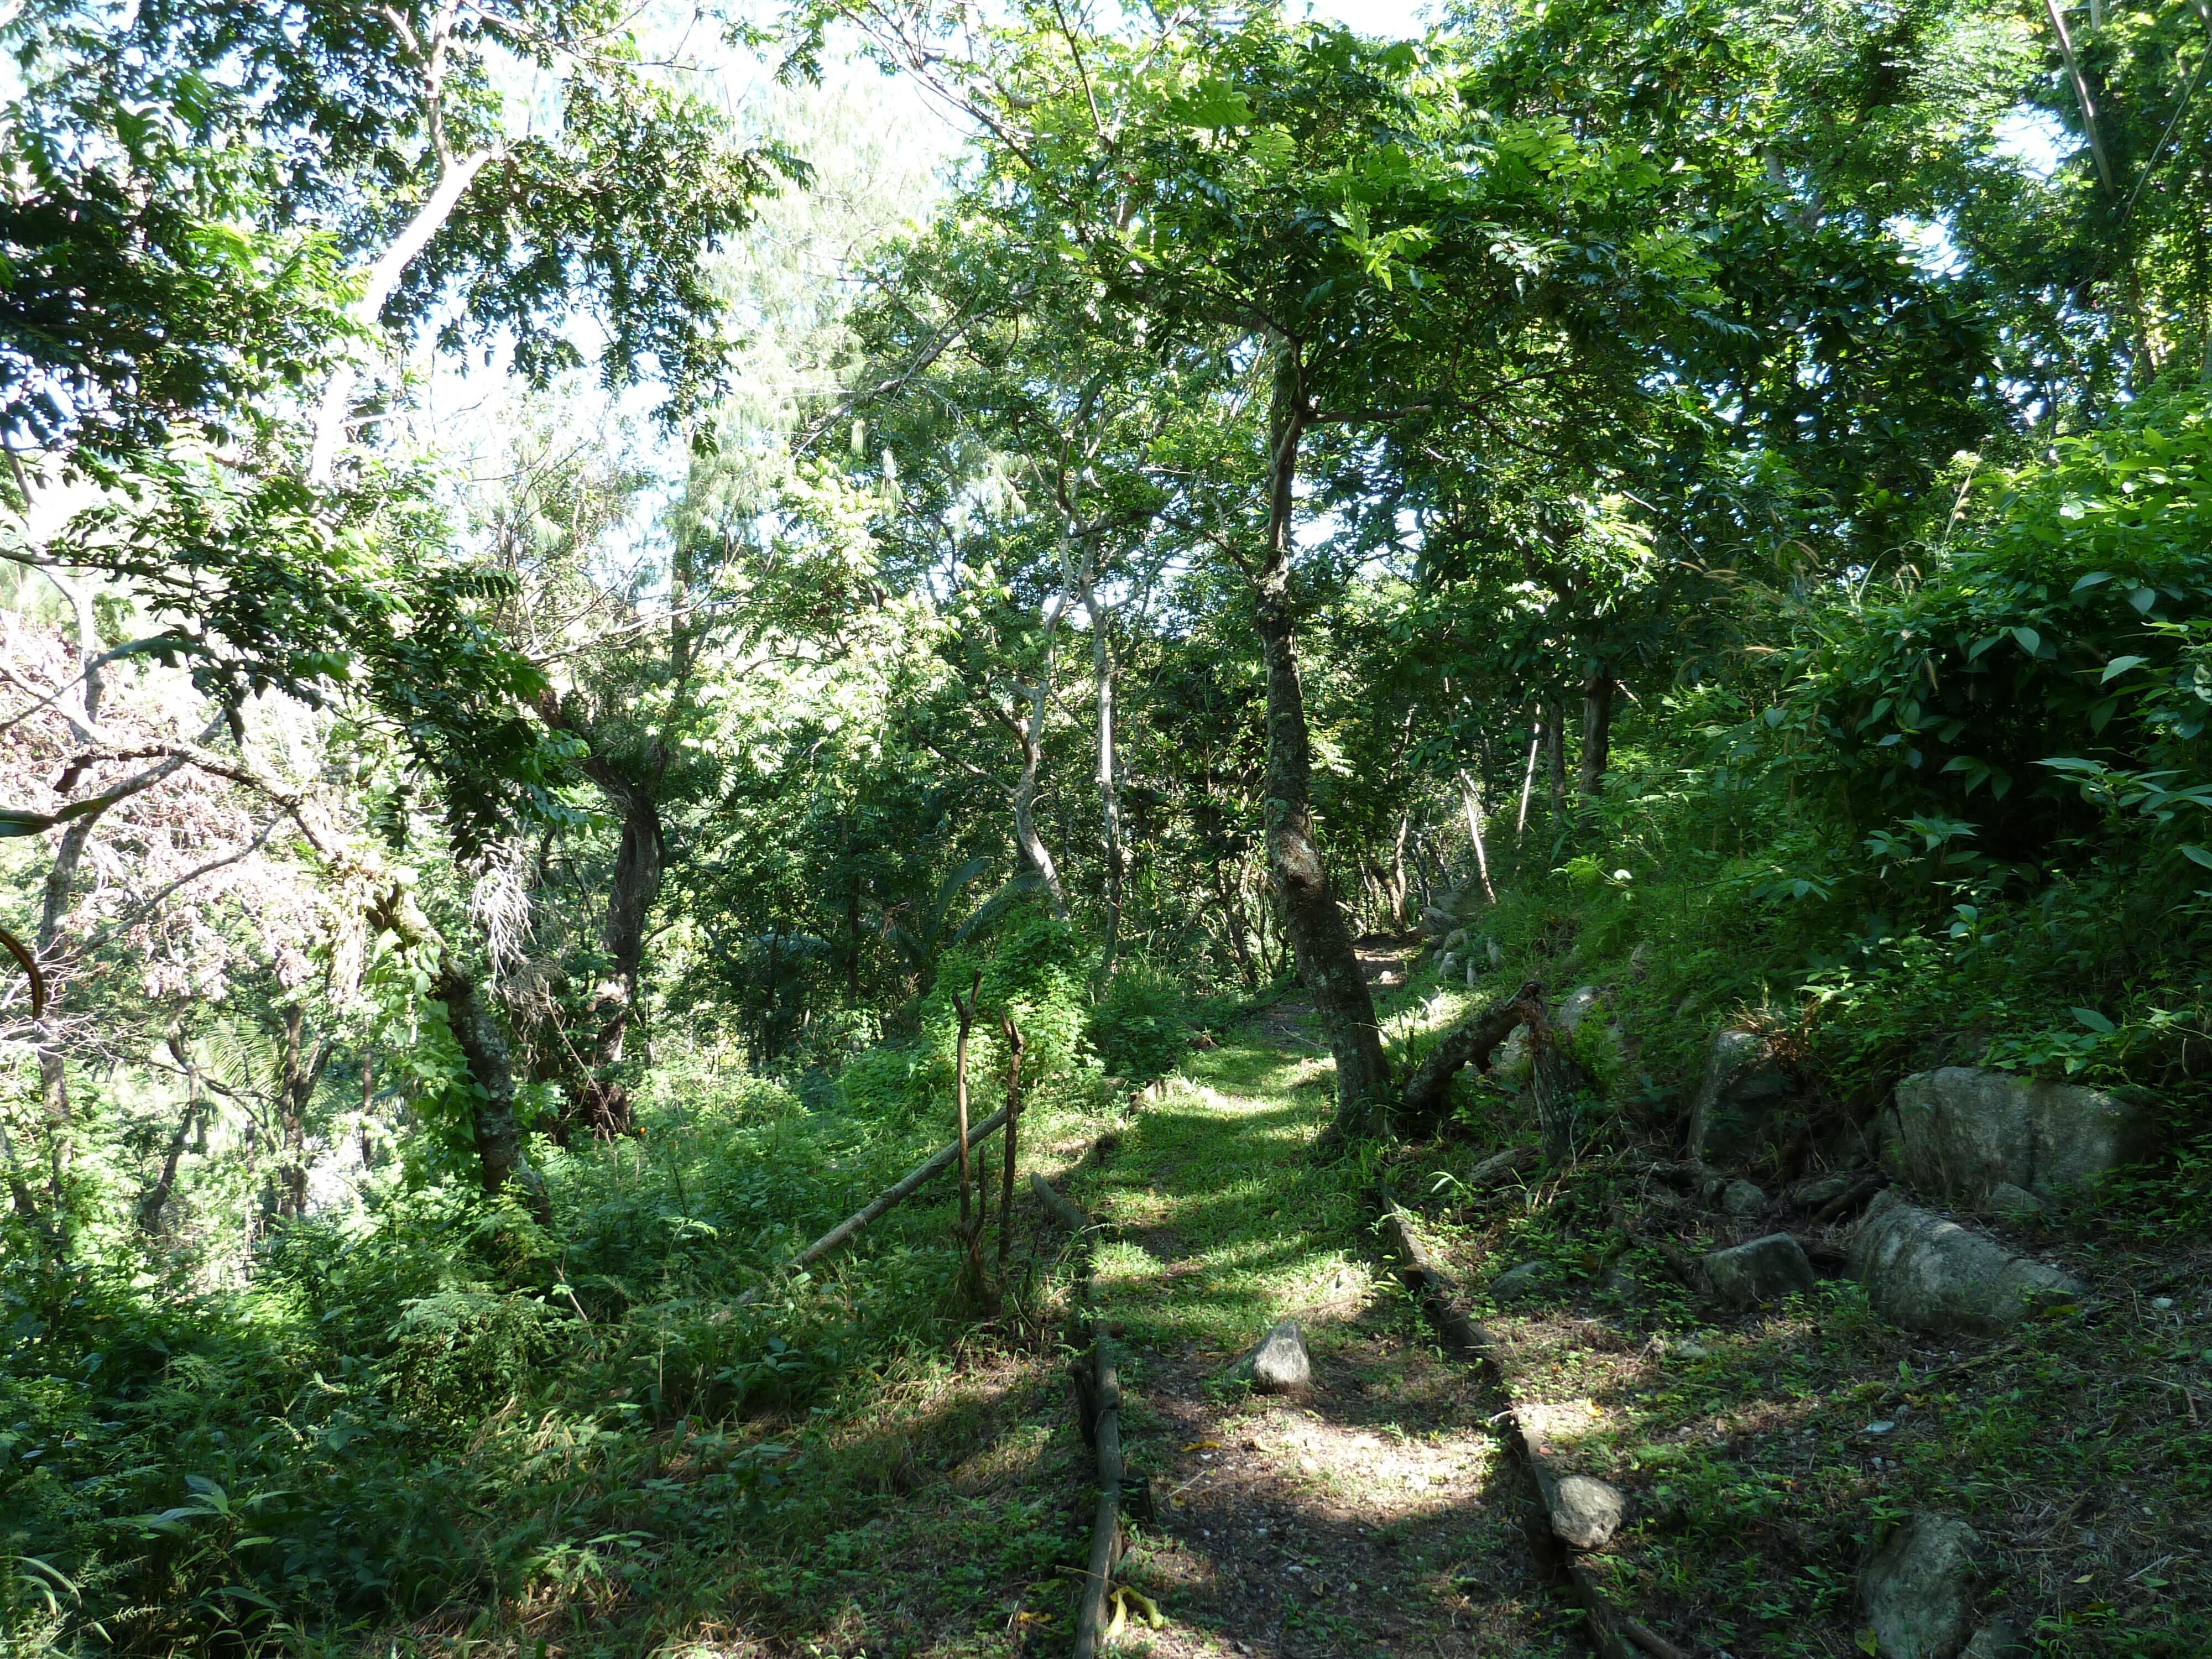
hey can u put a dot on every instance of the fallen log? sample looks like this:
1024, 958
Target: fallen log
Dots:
1611, 1630
1106, 1527
1429, 1282
937, 1165
1065, 1215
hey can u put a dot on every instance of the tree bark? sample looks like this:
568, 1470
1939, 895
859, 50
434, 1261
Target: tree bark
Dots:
1428, 1092
630, 896
1109, 789
1555, 757
302, 1071
1029, 733
1013, 1034
1319, 939
498, 1132
1470, 794
1598, 687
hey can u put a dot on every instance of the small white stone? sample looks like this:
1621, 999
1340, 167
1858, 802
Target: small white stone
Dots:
1882, 1427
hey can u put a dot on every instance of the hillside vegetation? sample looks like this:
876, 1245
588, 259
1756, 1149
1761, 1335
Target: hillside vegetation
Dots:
1531, 704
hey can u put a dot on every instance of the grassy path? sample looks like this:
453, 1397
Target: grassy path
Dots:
1379, 1515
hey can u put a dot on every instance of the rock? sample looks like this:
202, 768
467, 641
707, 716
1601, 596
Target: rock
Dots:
1500, 1169
1435, 922
1743, 1198
1918, 1590
1570, 1013
1928, 1274
1456, 939
2005, 1199
1962, 1131
1586, 1512
1280, 1364
1638, 957
1516, 1283
1743, 1085
2000, 1638
1765, 1270
1445, 963
1813, 1193
1620, 1283
1495, 951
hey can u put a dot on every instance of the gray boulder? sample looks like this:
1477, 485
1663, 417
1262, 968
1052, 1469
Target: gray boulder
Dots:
1765, 1270
1585, 1510
1961, 1131
1743, 1085
1918, 1589
1927, 1273
1743, 1198
1280, 1364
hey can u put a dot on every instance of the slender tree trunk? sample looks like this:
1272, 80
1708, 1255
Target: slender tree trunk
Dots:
1323, 946
156, 1198
971, 1223
1528, 778
1597, 736
853, 941
1555, 757
1396, 885
1030, 733
1013, 1035
1109, 791
1470, 795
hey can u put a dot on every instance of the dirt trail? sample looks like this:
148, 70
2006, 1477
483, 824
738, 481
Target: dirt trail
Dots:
1379, 1515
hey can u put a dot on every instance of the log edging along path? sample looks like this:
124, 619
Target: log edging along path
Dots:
1099, 1405
1612, 1629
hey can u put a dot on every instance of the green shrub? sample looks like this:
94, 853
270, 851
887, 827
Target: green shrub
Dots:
1139, 1027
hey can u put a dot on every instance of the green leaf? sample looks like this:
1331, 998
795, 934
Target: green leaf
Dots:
2197, 855
2095, 1021
2093, 578
2030, 641
2120, 666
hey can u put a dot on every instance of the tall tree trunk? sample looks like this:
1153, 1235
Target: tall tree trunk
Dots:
630, 894
1322, 944
1470, 795
1529, 779
498, 1131
1109, 788
1030, 734
852, 940
1597, 737
156, 1197
1395, 886
1555, 757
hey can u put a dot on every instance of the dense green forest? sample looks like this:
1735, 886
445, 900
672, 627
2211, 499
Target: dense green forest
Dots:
1578, 644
